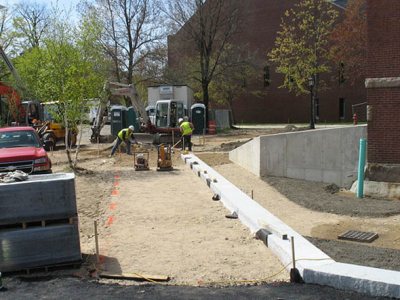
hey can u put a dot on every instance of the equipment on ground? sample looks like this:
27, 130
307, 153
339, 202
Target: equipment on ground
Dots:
39, 116
10, 105
31, 113
164, 123
116, 89
141, 159
164, 158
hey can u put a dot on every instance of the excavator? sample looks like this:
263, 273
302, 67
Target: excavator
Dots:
10, 104
165, 126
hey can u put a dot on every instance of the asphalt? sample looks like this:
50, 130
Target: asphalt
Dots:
73, 288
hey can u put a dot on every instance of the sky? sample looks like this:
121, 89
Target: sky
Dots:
67, 4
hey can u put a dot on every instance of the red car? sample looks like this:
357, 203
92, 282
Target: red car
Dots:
21, 149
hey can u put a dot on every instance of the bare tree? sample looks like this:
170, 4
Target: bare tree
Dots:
350, 42
207, 26
132, 30
235, 76
6, 40
31, 23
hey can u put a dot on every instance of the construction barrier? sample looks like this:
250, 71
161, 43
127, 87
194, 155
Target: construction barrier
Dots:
212, 127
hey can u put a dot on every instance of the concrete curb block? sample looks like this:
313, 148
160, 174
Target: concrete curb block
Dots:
314, 265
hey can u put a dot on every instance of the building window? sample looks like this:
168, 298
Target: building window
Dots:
342, 111
341, 73
267, 79
316, 103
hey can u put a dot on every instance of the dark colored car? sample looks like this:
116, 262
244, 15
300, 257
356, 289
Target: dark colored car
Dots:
21, 149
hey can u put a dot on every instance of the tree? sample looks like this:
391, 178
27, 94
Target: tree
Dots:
132, 31
349, 38
67, 69
301, 48
7, 37
31, 24
208, 27
232, 77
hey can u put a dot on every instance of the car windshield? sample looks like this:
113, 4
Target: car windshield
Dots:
20, 138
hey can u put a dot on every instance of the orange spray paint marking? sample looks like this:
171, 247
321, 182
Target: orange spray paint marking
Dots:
116, 183
113, 205
115, 192
110, 220
116, 176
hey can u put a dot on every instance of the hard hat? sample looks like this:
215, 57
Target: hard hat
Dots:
180, 120
186, 118
131, 128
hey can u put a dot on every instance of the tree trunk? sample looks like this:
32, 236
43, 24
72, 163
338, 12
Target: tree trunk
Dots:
206, 101
67, 146
230, 104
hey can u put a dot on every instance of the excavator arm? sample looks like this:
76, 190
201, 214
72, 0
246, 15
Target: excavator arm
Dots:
117, 89
13, 96
129, 90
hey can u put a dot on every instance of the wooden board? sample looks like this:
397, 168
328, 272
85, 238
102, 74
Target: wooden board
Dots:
134, 276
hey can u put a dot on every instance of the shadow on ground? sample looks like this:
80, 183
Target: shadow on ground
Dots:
74, 288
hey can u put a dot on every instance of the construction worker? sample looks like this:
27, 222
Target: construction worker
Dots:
126, 136
186, 128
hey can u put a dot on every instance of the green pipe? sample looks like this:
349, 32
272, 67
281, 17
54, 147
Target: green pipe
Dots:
361, 165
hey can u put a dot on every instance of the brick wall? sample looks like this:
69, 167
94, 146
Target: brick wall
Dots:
261, 21
384, 61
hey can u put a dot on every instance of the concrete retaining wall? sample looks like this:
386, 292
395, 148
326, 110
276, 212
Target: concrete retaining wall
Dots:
327, 155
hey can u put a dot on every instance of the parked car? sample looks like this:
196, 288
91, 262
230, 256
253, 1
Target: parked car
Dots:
22, 149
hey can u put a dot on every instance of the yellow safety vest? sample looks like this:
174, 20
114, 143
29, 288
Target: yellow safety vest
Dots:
121, 134
186, 129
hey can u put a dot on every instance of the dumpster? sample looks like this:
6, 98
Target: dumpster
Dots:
117, 119
198, 112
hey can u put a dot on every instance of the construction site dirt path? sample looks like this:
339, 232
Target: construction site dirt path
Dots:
165, 223
159, 194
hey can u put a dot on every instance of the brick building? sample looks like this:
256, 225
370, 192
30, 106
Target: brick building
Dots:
383, 81
261, 21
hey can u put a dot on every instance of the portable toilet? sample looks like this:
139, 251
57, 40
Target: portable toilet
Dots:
198, 117
118, 113
131, 118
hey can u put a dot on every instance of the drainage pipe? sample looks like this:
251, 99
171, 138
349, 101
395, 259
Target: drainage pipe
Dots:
361, 165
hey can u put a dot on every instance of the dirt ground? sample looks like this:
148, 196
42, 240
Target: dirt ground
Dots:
165, 223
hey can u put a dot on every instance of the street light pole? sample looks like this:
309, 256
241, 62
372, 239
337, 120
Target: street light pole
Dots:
311, 83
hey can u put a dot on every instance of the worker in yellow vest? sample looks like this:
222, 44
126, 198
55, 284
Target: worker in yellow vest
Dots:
186, 131
126, 136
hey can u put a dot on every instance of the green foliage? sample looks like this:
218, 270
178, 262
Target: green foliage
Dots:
65, 69
302, 45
